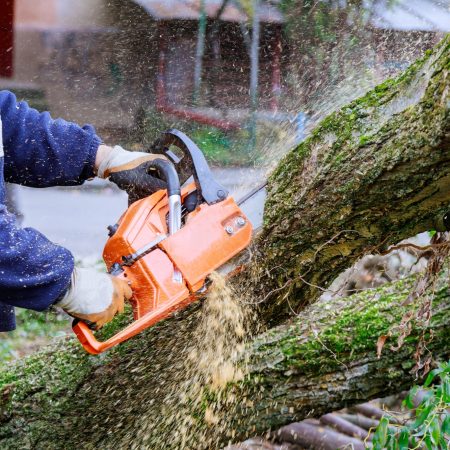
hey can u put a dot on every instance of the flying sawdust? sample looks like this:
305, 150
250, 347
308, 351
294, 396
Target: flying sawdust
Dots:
197, 396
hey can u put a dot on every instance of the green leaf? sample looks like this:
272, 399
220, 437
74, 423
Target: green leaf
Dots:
403, 439
446, 390
428, 443
408, 401
435, 431
423, 415
391, 442
431, 376
381, 434
446, 424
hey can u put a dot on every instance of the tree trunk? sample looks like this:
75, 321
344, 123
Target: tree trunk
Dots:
371, 174
326, 359
322, 361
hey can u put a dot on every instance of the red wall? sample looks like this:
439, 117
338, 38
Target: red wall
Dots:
6, 37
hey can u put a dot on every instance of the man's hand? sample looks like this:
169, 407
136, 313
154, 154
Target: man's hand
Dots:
129, 170
95, 297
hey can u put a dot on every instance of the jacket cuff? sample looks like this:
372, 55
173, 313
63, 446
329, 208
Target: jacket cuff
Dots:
89, 171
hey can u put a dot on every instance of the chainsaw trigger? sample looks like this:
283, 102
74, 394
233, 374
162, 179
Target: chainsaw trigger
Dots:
92, 326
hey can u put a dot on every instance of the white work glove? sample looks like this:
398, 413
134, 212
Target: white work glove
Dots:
95, 297
129, 170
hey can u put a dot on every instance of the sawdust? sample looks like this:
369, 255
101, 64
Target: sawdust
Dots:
219, 338
195, 400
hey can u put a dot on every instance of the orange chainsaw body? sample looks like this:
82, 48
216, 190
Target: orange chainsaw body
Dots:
168, 277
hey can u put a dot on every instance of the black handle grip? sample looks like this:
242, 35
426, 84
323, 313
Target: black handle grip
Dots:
192, 163
168, 172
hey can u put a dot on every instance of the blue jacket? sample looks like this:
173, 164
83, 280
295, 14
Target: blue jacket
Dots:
39, 152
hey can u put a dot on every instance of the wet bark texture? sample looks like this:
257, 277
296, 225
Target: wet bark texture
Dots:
326, 358
371, 174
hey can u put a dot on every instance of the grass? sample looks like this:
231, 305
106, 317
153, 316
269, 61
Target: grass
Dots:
34, 330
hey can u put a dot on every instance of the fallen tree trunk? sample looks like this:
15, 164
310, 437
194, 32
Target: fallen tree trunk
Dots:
324, 360
327, 358
371, 174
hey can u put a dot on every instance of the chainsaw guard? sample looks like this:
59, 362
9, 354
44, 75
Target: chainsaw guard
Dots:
94, 346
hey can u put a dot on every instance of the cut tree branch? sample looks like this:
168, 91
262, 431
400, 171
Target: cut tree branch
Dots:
379, 168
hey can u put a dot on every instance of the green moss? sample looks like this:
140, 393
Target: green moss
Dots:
354, 331
363, 140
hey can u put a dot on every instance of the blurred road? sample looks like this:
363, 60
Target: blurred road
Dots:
77, 217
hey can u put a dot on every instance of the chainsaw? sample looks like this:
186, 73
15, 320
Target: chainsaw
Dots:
166, 245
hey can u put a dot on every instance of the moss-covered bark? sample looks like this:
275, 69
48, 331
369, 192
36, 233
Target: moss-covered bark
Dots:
324, 360
371, 174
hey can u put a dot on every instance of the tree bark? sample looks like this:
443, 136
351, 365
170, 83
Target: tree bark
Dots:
322, 361
326, 358
371, 174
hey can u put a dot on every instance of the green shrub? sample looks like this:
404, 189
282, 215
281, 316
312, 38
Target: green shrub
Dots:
431, 425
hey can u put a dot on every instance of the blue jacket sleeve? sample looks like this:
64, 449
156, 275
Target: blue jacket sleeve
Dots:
42, 152
34, 272
39, 152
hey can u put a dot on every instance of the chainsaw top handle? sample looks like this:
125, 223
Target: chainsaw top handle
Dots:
191, 163
168, 172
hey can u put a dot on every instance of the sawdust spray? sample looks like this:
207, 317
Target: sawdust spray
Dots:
211, 358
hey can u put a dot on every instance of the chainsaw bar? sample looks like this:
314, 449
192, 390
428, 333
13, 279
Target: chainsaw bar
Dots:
252, 205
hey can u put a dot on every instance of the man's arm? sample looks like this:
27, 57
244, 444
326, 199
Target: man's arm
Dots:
42, 152
34, 272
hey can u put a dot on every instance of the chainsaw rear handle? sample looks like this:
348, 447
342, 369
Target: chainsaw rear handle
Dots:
168, 172
94, 346
91, 325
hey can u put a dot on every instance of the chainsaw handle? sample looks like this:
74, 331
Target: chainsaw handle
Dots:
192, 163
94, 346
169, 173
91, 325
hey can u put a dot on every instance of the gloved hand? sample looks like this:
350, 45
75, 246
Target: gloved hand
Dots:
95, 297
129, 170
